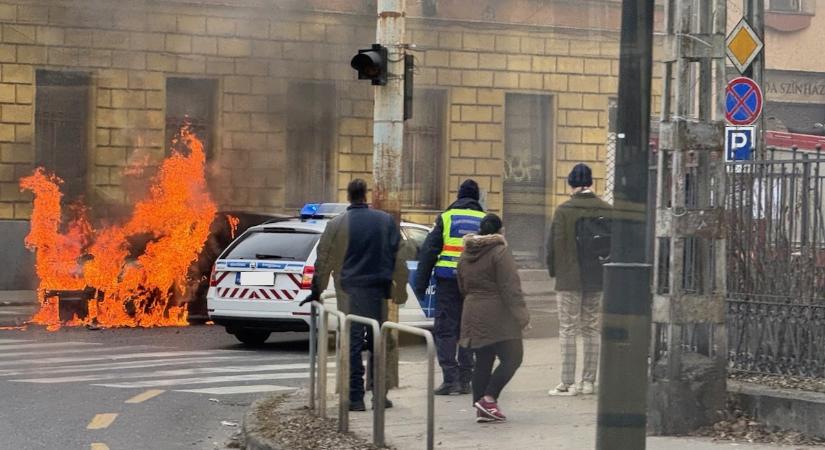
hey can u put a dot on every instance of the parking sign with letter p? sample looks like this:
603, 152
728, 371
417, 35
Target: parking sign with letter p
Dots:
739, 143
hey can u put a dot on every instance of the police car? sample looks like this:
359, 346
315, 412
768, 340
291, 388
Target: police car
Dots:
259, 280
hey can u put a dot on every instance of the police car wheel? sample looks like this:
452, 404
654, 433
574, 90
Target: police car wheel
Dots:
252, 337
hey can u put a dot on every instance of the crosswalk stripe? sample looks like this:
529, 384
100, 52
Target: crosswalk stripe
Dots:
142, 397
166, 373
7, 347
207, 380
247, 389
99, 446
12, 341
43, 361
85, 368
65, 351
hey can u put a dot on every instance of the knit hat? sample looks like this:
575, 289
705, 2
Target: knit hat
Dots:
580, 176
490, 224
469, 189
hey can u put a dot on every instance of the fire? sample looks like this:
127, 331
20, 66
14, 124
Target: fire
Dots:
130, 290
233, 224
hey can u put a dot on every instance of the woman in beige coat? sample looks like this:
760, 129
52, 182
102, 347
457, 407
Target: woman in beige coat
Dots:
494, 314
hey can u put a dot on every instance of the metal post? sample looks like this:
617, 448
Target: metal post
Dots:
340, 351
323, 346
687, 380
313, 342
378, 432
343, 377
754, 11
344, 366
388, 129
806, 201
625, 338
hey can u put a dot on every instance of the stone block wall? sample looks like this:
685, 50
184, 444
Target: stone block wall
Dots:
254, 52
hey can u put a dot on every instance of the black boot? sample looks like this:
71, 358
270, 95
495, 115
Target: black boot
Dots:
448, 388
357, 405
465, 388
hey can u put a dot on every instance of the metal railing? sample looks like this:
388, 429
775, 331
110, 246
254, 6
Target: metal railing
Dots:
344, 368
379, 387
318, 385
775, 230
320, 335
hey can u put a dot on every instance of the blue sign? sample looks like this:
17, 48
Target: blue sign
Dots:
739, 143
743, 101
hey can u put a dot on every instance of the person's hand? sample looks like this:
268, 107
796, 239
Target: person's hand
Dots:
313, 296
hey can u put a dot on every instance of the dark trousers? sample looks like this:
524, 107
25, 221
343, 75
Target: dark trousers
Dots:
446, 331
487, 381
367, 302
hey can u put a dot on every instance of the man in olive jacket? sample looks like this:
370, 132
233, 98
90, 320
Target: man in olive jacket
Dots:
363, 250
578, 282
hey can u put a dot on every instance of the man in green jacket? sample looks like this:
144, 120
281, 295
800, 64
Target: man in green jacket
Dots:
578, 275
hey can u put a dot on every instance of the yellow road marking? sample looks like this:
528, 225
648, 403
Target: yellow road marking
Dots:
140, 398
101, 421
99, 446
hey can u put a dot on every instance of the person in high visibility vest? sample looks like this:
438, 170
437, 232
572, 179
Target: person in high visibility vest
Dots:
439, 257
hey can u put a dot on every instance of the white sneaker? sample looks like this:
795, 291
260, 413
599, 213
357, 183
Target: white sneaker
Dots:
587, 388
563, 390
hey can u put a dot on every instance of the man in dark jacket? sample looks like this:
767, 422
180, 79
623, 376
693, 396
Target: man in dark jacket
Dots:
439, 255
578, 281
361, 248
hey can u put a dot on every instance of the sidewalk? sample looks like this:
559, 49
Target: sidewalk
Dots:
535, 420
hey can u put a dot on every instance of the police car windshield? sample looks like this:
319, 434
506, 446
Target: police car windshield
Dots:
293, 246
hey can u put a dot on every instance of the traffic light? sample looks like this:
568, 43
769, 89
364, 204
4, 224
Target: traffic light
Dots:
371, 64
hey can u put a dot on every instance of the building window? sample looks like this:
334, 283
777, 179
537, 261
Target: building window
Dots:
193, 101
528, 128
806, 118
309, 141
527, 119
791, 6
424, 151
61, 121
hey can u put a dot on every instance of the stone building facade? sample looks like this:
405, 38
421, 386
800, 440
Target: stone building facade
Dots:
512, 94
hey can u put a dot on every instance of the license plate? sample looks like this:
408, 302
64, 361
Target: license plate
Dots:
257, 279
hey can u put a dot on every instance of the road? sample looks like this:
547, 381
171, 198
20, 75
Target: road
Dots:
165, 388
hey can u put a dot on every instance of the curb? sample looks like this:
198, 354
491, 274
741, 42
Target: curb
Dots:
250, 431
789, 409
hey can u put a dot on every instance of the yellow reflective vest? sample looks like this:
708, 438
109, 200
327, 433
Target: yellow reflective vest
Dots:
457, 223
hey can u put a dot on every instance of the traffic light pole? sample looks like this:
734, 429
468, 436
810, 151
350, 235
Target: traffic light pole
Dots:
622, 418
388, 134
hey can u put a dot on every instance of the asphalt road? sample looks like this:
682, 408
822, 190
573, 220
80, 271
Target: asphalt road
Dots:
170, 388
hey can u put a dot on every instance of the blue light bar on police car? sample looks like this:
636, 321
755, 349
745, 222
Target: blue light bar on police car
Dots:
309, 210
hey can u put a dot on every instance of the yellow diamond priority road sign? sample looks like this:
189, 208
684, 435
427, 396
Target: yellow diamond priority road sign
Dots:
743, 45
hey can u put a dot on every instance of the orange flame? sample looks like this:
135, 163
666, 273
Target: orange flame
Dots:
233, 224
176, 215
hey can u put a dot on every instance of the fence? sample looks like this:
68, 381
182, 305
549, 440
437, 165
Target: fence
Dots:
318, 358
319, 353
776, 264
381, 381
